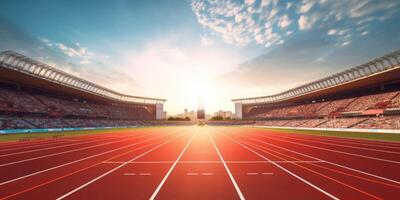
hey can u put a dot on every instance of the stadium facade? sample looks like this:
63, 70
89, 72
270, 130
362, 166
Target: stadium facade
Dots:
365, 96
36, 95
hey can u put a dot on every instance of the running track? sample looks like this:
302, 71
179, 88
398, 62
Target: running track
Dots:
200, 163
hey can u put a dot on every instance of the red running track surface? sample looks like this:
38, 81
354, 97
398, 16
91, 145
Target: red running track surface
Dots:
200, 163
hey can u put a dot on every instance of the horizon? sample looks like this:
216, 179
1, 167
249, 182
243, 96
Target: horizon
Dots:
192, 52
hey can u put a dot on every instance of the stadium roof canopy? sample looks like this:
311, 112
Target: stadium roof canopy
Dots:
385, 68
17, 67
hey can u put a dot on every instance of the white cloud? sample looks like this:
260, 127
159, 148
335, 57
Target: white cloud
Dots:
306, 6
265, 22
284, 21
332, 32
46, 41
289, 5
364, 33
249, 2
345, 43
241, 24
306, 22
265, 3
75, 51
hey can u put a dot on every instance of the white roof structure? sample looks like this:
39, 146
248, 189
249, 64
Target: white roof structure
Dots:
377, 66
23, 64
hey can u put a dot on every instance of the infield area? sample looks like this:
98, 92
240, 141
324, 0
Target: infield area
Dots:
200, 163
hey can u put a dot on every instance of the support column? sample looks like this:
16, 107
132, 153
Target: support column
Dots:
238, 111
159, 111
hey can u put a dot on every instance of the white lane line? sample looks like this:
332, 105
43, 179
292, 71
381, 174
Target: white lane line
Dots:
207, 174
267, 173
356, 143
286, 170
256, 173
140, 174
153, 196
34, 146
213, 162
192, 174
64, 152
56, 147
328, 162
227, 169
339, 145
277, 161
76, 161
114, 169
336, 151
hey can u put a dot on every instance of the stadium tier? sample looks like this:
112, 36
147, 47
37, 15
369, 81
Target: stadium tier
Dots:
366, 97
35, 95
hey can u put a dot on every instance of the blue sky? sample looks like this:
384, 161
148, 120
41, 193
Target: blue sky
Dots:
194, 50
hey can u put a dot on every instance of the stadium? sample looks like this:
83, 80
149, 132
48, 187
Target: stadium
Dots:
362, 97
314, 115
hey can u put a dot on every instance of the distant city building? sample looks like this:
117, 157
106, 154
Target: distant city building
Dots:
224, 114
201, 114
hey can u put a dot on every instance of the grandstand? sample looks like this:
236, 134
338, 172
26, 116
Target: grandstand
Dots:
363, 97
36, 95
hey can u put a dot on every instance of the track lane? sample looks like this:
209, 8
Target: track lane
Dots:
200, 173
59, 180
389, 146
33, 166
362, 163
265, 180
377, 188
122, 185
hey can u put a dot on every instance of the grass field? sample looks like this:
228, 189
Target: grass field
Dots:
54, 135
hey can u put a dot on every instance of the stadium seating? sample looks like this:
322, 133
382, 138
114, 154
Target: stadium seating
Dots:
381, 122
20, 109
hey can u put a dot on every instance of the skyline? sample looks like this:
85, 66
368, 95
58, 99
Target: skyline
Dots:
192, 51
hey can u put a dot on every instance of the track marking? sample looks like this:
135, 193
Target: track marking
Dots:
64, 152
336, 151
129, 174
227, 169
339, 145
267, 173
192, 174
214, 162
263, 149
114, 169
348, 142
153, 196
144, 174
56, 147
207, 174
286, 170
335, 164
35, 145
76, 161
72, 173
256, 173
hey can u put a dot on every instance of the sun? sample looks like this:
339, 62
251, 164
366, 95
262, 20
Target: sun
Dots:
199, 90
